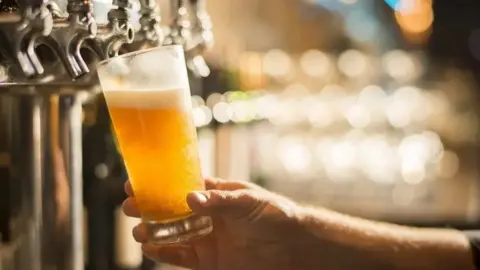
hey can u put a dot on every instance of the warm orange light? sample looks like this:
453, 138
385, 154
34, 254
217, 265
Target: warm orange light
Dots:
251, 71
416, 20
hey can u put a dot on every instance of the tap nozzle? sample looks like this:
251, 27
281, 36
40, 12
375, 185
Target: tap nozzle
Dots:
68, 34
150, 33
17, 34
83, 23
118, 31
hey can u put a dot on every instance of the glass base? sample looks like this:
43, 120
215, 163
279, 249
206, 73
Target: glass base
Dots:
168, 233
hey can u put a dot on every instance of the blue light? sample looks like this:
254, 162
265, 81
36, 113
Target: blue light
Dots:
361, 26
393, 3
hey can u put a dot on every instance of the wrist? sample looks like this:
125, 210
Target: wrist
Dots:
327, 242
365, 244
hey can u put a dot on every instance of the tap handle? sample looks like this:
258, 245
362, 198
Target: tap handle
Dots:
150, 31
56, 11
202, 34
148, 4
118, 15
126, 4
180, 12
35, 4
31, 8
9, 6
177, 5
199, 5
79, 7
118, 32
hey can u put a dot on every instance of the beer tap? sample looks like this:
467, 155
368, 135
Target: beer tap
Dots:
19, 23
179, 31
103, 169
201, 40
69, 32
118, 32
194, 42
150, 34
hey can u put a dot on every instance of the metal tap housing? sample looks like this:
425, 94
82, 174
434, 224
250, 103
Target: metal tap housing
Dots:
193, 31
150, 31
118, 32
19, 23
202, 33
47, 59
179, 30
201, 39
69, 32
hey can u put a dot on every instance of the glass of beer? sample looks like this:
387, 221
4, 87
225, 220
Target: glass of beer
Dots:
148, 96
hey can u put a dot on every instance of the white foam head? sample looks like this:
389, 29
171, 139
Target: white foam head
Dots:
159, 68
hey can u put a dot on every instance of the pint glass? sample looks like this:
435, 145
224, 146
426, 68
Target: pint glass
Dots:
148, 97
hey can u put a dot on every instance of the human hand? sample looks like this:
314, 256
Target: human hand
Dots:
258, 230
253, 229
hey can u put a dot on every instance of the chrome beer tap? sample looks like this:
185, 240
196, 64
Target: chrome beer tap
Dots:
179, 31
19, 23
73, 30
201, 39
194, 35
150, 33
118, 32
69, 32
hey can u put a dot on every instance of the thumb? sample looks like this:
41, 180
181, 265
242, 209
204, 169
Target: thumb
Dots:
234, 204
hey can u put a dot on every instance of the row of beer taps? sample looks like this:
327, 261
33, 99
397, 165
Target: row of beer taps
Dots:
40, 42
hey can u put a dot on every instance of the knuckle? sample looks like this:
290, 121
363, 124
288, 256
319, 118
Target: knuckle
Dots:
241, 194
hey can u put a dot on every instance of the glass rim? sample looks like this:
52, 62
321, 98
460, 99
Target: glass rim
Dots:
134, 53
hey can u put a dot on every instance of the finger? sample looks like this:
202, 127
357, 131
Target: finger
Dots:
211, 183
220, 184
236, 185
236, 204
128, 189
130, 208
182, 256
140, 233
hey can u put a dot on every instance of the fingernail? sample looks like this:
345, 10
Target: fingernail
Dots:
200, 197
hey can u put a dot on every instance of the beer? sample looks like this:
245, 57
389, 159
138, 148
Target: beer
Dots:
158, 141
148, 97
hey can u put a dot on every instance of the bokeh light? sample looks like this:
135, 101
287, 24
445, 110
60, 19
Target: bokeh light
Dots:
353, 63
414, 16
222, 112
400, 66
315, 63
277, 63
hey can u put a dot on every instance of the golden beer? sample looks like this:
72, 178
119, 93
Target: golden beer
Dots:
158, 140
148, 97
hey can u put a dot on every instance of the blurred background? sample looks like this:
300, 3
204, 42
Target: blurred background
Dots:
367, 107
